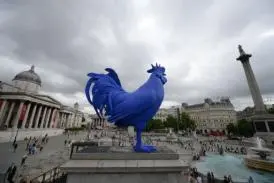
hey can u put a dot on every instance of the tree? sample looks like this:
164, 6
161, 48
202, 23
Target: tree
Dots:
242, 128
154, 124
186, 123
245, 128
171, 122
231, 128
271, 110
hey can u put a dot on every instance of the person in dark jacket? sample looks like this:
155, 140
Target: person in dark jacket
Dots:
11, 173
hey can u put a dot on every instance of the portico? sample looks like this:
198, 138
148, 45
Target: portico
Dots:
25, 110
23, 107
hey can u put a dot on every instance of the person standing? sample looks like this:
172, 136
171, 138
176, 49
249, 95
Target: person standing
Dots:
250, 180
11, 173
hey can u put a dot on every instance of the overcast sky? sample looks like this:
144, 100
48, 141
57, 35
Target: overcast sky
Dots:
196, 40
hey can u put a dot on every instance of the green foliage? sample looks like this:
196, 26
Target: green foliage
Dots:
186, 123
74, 129
232, 129
171, 122
271, 110
242, 128
245, 128
183, 123
155, 124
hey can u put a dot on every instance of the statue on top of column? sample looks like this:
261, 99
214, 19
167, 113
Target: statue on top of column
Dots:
243, 56
242, 52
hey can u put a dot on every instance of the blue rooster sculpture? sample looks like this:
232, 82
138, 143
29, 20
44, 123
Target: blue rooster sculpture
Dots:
127, 108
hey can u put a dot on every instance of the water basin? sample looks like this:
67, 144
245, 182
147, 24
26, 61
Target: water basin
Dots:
232, 165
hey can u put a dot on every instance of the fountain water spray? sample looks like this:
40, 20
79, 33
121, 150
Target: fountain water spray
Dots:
259, 143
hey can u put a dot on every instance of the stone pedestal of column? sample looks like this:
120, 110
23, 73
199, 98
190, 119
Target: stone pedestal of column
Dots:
263, 125
125, 166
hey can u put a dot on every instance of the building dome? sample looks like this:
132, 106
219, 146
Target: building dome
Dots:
28, 76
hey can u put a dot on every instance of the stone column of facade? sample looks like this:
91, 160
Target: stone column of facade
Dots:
66, 120
38, 117
32, 116
56, 123
267, 127
2, 110
51, 120
69, 121
61, 119
252, 83
48, 117
10, 113
26, 116
43, 117
16, 119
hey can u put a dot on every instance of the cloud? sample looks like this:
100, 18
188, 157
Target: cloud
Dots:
195, 40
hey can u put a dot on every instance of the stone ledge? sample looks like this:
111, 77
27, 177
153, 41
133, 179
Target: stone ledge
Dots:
123, 153
124, 156
123, 166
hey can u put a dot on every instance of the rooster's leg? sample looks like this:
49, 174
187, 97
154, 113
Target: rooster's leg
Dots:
139, 147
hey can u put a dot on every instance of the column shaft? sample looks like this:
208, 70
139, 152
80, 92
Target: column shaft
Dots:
48, 117
16, 119
2, 111
32, 116
43, 117
38, 117
10, 113
26, 116
253, 87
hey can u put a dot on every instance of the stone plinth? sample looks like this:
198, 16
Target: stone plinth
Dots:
114, 166
263, 125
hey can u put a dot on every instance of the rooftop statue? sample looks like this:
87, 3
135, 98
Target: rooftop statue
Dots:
106, 94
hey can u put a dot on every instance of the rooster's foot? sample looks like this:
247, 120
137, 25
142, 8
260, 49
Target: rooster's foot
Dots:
145, 148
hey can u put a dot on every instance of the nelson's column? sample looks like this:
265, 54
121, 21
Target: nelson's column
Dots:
263, 122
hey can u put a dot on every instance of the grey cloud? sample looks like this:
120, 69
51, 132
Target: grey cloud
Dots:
73, 38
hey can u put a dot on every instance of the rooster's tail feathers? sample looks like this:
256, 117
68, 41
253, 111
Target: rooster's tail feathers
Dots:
102, 85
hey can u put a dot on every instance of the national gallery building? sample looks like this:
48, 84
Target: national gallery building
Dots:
22, 107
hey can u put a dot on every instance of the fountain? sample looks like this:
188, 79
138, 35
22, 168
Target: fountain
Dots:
257, 164
260, 160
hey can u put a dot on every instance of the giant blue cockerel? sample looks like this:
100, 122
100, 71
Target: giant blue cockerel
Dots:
127, 108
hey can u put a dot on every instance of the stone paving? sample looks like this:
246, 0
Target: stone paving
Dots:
53, 154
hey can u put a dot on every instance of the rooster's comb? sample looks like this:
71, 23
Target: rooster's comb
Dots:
156, 67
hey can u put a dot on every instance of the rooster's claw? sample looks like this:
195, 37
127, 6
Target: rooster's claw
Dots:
145, 148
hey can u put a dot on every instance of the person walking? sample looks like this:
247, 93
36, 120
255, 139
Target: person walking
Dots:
15, 147
23, 160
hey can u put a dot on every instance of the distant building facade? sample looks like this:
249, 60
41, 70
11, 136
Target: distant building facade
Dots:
211, 115
21, 105
246, 114
163, 113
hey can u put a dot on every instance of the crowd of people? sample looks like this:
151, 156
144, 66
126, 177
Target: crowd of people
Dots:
215, 146
33, 146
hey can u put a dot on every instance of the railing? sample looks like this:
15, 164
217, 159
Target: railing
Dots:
55, 175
